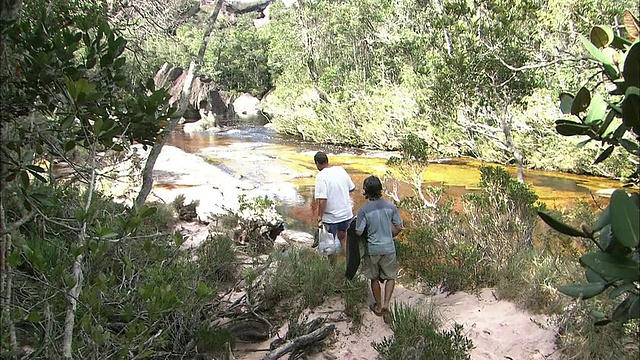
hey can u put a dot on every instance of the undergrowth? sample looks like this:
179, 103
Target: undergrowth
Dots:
416, 336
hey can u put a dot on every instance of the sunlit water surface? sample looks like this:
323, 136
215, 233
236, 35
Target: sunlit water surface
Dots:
282, 168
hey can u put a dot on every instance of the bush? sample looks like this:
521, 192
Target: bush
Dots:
463, 251
142, 295
500, 219
305, 278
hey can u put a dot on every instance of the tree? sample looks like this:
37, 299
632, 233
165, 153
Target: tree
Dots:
65, 97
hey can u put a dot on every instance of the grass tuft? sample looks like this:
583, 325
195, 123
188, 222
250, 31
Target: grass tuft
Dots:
416, 336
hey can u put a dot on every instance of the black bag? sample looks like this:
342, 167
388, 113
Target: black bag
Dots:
356, 248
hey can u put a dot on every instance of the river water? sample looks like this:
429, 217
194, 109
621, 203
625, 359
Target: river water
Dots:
282, 168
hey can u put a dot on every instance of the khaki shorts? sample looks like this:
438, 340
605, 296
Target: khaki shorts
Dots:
382, 267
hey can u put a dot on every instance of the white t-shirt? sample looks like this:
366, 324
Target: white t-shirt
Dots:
334, 184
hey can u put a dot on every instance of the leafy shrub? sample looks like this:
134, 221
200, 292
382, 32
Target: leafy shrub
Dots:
500, 218
529, 280
580, 338
415, 336
218, 259
462, 251
305, 278
142, 295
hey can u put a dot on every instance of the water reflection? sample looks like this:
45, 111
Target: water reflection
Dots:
282, 168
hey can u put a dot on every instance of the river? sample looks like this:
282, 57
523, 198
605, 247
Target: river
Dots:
282, 168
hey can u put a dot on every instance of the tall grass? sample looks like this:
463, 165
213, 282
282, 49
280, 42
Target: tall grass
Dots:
416, 336
305, 278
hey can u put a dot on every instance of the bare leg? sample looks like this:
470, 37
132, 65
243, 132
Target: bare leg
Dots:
388, 293
377, 296
342, 236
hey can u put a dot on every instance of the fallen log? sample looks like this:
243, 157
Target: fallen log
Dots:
300, 342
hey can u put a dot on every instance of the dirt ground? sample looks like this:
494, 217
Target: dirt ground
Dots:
498, 329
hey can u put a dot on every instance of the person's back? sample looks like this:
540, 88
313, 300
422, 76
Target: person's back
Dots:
382, 222
378, 216
332, 189
334, 184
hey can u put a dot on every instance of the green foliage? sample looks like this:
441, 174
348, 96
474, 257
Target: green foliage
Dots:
415, 336
457, 251
217, 256
580, 337
142, 293
501, 218
303, 278
610, 118
259, 222
237, 58
614, 266
529, 280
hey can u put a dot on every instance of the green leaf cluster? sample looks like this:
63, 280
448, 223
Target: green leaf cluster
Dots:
608, 118
616, 264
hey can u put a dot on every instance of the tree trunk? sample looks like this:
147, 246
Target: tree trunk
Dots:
300, 342
76, 273
183, 103
505, 122
207, 32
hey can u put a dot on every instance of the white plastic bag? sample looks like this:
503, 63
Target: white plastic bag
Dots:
328, 244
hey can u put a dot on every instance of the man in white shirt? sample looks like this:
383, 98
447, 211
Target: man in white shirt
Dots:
332, 189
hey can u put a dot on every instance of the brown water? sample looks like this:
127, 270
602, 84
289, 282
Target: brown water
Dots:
283, 169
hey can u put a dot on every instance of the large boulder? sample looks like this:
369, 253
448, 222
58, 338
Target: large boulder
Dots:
207, 99
247, 109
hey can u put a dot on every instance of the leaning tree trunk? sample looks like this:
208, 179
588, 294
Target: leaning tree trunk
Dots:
183, 103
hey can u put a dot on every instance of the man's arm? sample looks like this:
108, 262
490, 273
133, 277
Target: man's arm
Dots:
322, 205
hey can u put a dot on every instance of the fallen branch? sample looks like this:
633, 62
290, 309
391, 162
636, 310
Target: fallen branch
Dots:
300, 342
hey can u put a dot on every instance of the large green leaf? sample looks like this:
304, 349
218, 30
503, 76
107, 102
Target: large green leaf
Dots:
584, 291
621, 313
631, 69
604, 155
625, 219
630, 146
631, 109
559, 226
565, 103
607, 62
597, 110
581, 101
613, 267
592, 277
603, 220
608, 126
567, 129
621, 289
601, 35
634, 309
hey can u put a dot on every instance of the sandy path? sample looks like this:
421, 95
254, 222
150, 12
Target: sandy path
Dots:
498, 329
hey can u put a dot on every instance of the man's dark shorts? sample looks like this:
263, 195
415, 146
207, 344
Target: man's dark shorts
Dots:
341, 226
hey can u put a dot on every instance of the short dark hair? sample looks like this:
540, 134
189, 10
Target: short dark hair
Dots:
320, 158
372, 187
